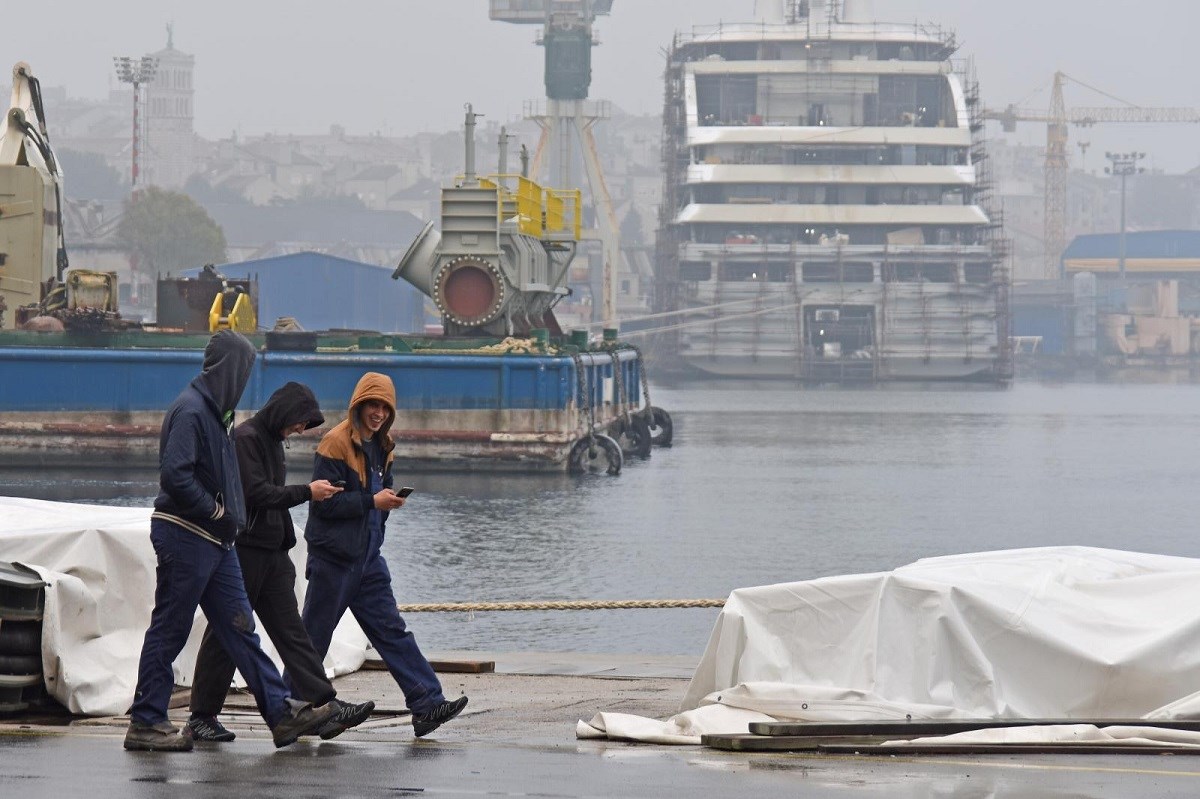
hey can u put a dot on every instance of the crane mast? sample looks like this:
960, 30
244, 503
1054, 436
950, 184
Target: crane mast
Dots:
1057, 118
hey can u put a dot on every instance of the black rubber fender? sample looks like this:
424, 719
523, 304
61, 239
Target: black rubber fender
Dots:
662, 429
20, 664
593, 455
634, 436
20, 638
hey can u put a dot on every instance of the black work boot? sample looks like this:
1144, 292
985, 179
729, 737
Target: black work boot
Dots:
425, 723
301, 719
347, 716
161, 737
207, 728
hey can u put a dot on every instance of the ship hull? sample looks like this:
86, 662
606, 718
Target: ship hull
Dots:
104, 407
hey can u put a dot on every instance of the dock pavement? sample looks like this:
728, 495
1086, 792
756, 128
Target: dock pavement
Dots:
517, 738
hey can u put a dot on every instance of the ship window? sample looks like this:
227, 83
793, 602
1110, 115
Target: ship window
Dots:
819, 273
694, 270
850, 272
940, 273
977, 273
742, 272
858, 272
913, 272
901, 272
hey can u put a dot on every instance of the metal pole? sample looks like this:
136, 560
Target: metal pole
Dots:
469, 177
1121, 250
133, 180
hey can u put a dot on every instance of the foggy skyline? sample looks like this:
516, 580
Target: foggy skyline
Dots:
399, 67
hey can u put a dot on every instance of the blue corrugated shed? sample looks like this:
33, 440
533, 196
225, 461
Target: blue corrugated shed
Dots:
324, 292
1142, 244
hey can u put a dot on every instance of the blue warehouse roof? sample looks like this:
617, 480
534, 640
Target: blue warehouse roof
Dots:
1142, 244
324, 292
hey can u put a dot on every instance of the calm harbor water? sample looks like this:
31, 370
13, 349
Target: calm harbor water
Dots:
767, 483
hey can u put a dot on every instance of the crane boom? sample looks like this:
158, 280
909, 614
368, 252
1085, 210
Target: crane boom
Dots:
1056, 119
1091, 116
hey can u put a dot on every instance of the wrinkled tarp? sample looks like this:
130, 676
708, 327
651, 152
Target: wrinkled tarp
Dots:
1056, 632
100, 567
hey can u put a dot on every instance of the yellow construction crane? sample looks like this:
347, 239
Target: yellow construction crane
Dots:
1057, 118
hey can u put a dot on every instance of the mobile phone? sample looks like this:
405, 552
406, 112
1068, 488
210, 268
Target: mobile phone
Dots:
338, 483
405, 491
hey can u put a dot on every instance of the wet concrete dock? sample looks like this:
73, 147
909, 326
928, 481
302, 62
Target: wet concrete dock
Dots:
516, 738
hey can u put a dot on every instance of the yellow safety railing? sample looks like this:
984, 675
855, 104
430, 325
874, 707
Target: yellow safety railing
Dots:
539, 211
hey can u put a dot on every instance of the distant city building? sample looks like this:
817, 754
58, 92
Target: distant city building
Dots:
169, 157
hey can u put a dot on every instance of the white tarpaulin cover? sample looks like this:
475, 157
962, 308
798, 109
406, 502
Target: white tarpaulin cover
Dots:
100, 567
1059, 632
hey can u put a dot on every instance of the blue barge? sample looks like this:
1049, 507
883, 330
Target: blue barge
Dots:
66, 400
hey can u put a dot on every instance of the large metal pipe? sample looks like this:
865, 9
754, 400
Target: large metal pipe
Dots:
417, 264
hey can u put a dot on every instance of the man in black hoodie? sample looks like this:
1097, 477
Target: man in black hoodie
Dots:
197, 515
267, 568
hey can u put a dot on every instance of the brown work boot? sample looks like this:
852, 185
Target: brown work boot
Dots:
161, 737
301, 718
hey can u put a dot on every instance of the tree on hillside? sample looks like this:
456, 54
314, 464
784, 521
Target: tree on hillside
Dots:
168, 231
631, 228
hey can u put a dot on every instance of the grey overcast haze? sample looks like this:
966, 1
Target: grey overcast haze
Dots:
398, 67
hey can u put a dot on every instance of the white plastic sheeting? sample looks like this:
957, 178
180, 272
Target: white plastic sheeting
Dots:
100, 567
1061, 632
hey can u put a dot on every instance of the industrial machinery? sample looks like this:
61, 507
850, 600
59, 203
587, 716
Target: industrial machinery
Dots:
499, 264
1056, 119
33, 255
566, 114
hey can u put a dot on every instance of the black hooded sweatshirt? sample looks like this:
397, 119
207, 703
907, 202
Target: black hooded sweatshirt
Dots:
198, 472
264, 472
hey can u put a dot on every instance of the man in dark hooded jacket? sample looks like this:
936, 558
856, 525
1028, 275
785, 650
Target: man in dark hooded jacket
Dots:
267, 568
197, 515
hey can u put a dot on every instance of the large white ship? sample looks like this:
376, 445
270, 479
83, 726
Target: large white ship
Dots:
825, 210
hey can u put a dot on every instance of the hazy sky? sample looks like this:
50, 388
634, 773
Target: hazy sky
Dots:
401, 66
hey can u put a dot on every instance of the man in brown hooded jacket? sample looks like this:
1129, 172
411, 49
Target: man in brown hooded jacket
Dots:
346, 570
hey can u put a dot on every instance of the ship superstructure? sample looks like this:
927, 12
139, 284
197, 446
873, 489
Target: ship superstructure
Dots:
826, 211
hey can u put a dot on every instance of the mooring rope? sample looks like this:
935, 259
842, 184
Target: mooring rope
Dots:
564, 604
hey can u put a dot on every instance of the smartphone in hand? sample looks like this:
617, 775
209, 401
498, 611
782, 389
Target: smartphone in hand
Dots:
404, 491
338, 483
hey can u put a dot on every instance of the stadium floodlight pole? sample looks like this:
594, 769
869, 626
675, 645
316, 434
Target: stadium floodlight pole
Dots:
135, 71
1123, 165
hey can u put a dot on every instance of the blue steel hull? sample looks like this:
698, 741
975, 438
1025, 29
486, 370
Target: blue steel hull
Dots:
454, 411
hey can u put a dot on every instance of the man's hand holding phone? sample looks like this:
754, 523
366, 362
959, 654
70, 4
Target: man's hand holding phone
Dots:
387, 499
323, 489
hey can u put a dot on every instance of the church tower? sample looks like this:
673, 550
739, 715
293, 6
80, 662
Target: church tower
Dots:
169, 155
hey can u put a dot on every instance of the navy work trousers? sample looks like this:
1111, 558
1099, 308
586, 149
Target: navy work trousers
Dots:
271, 587
194, 572
366, 590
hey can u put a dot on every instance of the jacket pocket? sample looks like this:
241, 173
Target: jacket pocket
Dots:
345, 543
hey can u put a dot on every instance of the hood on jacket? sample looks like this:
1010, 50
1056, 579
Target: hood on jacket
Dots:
291, 404
373, 386
228, 359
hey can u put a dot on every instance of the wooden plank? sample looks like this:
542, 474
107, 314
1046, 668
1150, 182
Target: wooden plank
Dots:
463, 666
1082, 748
445, 666
946, 726
746, 742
